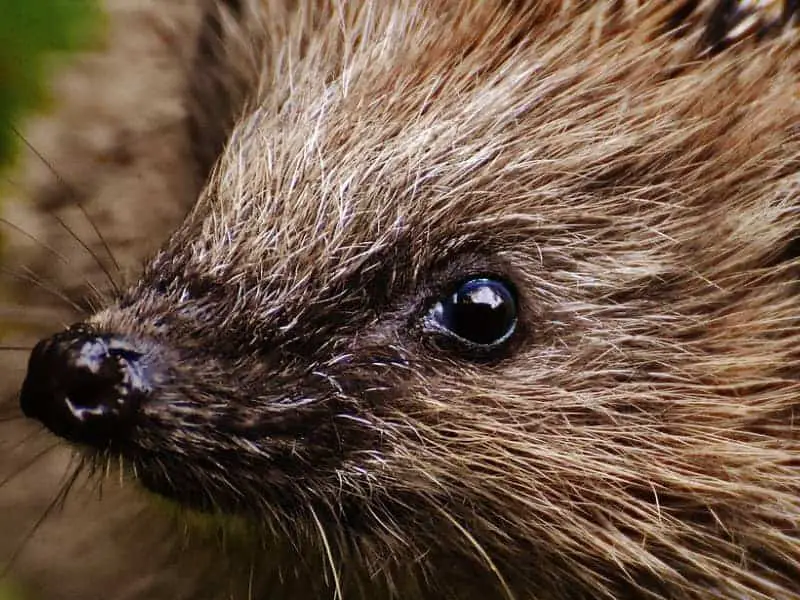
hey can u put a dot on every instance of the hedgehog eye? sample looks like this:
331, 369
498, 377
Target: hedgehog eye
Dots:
481, 313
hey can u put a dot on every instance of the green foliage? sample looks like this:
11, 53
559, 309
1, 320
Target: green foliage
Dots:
31, 32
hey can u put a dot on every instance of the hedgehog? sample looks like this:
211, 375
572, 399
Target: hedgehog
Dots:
480, 299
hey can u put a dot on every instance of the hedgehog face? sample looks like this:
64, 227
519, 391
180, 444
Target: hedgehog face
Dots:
515, 296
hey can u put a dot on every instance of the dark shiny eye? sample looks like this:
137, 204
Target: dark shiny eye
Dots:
481, 312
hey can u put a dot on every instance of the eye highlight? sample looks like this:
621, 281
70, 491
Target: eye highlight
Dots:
481, 313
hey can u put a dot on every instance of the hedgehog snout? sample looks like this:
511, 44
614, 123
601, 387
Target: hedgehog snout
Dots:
86, 387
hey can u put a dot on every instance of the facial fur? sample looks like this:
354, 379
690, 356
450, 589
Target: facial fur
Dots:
631, 169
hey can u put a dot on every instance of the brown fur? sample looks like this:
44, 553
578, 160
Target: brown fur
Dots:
631, 168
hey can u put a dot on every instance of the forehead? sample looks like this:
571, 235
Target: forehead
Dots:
348, 175
284, 204
457, 141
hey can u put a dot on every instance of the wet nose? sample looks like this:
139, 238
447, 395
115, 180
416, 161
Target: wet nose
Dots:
85, 387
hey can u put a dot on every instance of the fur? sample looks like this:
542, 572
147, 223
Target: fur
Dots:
632, 167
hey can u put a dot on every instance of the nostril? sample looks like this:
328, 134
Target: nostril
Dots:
85, 387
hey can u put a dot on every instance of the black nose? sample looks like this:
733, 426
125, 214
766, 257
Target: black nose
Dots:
85, 387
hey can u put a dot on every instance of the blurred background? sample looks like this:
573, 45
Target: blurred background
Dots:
106, 149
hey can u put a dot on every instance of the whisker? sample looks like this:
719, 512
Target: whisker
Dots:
78, 468
91, 252
479, 549
34, 239
10, 410
31, 278
12, 419
57, 501
25, 440
328, 554
95, 299
28, 463
100, 236
63, 259
11, 413
250, 591
24, 315
76, 199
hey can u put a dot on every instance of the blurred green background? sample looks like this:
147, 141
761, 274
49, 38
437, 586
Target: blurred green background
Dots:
34, 34
9, 592
35, 38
